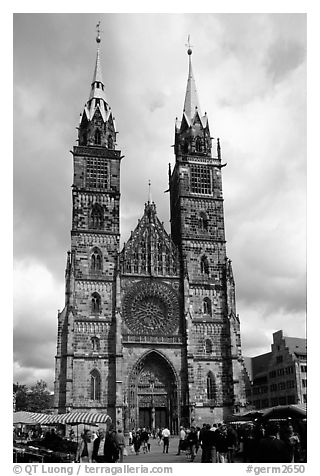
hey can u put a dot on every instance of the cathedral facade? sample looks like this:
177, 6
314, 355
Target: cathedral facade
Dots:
149, 333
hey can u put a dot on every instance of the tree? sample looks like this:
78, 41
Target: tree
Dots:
21, 392
39, 397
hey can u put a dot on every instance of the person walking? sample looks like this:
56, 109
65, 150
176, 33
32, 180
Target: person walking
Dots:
192, 439
98, 447
121, 444
111, 448
165, 437
85, 448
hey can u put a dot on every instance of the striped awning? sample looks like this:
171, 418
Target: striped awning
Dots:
30, 418
80, 417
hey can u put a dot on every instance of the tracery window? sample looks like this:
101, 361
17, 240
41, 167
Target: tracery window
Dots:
204, 265
95, 385
198, 145
96, 218
95, 303
207, 306
211, 386
96, 260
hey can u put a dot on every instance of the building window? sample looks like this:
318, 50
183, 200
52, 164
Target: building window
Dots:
96, 260
274, 401
201, 179
208, 346
265, 403
95, 343
304, 397
198, 144
282, 400
273, 387
282, 385
304, 368
96, 218
304, 382
203, 221
204, 265
272, 374
95, 303
207, 307
97, 136
97, 173
279, 359
280, 372
291, 399
211, 387
95, 385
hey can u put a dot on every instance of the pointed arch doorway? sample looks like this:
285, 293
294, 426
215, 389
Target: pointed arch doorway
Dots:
153, 394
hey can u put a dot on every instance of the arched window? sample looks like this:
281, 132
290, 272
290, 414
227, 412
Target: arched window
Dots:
208, 346
96, 216
95, 342
185, 147
207, 307
95, 303
198, 145
204, 265
211, 386
97, 137
96, 260
110, 142
203, 221
95, 385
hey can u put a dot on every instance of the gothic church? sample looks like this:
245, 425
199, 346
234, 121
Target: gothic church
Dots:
149, 333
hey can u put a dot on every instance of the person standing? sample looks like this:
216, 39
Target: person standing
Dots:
111, 448
271, 449
165, 437
182, 438
85, 448
192, 439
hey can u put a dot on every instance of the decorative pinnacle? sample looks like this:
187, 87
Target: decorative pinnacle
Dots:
98, 39
149, 191
189, 50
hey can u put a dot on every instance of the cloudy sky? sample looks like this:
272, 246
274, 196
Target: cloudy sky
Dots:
250, 71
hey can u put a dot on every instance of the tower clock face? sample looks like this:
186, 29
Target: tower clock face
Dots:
151, 308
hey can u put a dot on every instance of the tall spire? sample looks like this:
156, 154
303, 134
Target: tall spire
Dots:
191, 102
97, 85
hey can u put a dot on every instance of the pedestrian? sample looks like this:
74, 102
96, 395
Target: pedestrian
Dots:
165, 437
222, 444
98, 447
121, 444
292, 441
85, 448
207, 443
111, 448
182, 438
192, 441
136, 441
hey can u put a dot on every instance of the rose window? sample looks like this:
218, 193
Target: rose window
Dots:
151, 308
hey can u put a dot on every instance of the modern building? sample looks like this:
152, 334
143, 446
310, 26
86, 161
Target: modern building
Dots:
279, 377
149, 333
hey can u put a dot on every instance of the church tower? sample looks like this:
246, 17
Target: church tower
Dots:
213, 348
86, 360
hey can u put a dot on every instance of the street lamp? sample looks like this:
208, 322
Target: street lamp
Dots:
153, 410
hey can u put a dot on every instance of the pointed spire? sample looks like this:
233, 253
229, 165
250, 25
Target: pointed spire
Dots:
191, 102
97, 75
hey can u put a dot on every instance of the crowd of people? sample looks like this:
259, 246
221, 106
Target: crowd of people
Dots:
221, 443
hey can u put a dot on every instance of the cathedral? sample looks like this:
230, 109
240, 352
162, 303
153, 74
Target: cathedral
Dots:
149, 332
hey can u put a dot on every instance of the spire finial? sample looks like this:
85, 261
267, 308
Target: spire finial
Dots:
149, 191
98, 38
189, 50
